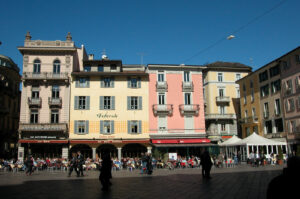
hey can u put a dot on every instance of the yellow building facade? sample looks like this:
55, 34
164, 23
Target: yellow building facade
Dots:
109, 109
250, 105
222, 99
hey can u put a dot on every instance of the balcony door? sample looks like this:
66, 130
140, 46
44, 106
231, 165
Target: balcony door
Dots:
187, 99
161, 98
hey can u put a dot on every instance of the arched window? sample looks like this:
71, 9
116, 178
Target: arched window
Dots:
56, 67
37, 66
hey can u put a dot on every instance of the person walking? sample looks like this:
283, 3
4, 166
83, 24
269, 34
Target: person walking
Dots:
206, 164
29, 165
105, 172
73, 165
149, 163
80, 161
144, 162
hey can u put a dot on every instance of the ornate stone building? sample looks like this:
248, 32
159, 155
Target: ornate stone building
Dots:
9, 106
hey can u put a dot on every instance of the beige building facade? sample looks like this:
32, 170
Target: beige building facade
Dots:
222, 95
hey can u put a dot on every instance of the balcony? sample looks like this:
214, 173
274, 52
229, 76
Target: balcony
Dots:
161, 86
187, 87
275, 135
189, 109
55, 101
44, 127
249, 120
45, 76
220, 116
223, 99
163, 109
277, 113
35, 101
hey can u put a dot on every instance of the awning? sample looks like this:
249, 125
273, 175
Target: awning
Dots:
180, 141
185, 145
44, 141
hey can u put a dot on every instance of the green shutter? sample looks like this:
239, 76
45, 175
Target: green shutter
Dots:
112, 82
86, 126
76, 102
112, 102
77, 82
101, 126
128, 103
102, 82
140, 127
101, 102
140, 105
76, 126
87, 107
112, 126
129, 82
87, 82
128, 126
139, 82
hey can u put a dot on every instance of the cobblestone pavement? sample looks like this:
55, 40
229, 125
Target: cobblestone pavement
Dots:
239, 182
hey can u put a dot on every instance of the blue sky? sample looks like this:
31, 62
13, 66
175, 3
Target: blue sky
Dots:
166, 31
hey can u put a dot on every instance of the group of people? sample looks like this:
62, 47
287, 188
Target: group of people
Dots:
76, 163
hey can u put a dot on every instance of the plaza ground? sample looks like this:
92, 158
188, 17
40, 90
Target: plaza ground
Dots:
240, 182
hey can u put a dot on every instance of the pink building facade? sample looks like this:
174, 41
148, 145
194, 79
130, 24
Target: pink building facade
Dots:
176, 115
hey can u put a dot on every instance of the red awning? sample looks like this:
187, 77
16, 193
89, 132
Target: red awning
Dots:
180, 141
44, 141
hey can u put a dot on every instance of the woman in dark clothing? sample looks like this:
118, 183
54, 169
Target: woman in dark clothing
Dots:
105, 172
29, 165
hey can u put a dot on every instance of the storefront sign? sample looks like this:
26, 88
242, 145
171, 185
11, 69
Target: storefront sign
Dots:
43, 137
106, 115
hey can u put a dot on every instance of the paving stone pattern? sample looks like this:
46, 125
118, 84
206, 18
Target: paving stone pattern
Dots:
240, 182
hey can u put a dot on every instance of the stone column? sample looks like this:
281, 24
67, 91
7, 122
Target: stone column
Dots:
119, 153
65, 153
149, 149
94, 153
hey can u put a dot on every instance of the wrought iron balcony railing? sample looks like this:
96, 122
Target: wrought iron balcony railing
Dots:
163, 109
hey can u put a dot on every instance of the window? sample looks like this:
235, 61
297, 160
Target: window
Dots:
107, 102
35, 93
223, 127
237, 76
266, 110
251, 84
113, 67
187, 98
161, 98
263, 76
245, 98
220, 77
82, 82
221, 92
34, 116
255, 129
81, 126
247, 131
100, 68
82, 103
134, 126
106, 126
244, 87
264, 90
292, 126
186, 76
107, 82
288, 87
252, 95
286, 65
134, 82
37, 66
54, 116
56, 67
161, 77
55, 91
253, 113
87, 68
246, 114
274, 71
134, 103
290, 105
276, 86
297, 58
277, 107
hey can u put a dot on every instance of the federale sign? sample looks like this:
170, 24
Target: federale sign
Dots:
106, 115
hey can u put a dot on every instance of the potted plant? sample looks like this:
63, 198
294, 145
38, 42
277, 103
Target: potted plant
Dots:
280, 156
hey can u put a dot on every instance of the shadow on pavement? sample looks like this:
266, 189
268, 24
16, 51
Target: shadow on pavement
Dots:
222, 185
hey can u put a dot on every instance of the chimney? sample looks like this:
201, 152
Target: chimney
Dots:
91, 56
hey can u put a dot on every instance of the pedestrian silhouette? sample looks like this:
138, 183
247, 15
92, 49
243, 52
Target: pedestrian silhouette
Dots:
285, 185
206, 164
105, 171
